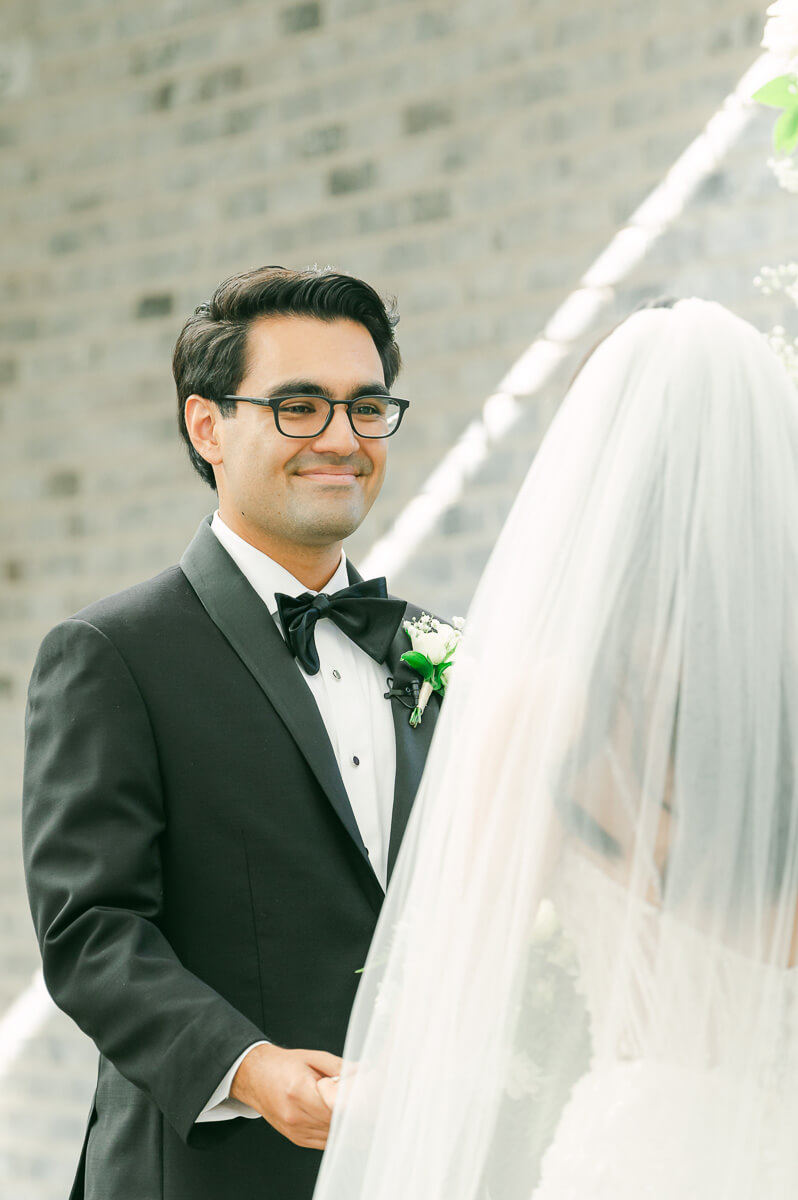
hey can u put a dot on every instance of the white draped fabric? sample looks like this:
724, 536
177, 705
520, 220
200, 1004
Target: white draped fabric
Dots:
582, 985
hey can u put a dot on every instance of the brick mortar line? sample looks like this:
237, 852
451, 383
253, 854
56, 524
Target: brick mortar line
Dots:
324, 74
212, 19
346, 246
39, 104
142, 123
130, 250
319, 166
344, 25
348, 204
127, 251
193, 24
434, 138
15, 308
245, 141
119, 205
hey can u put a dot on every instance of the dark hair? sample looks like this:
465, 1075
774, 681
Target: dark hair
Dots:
657, 302
210, 354
653, 302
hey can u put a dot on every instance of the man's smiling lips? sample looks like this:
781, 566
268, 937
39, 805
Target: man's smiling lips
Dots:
335, 476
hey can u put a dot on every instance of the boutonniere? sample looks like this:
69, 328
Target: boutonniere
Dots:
434, 644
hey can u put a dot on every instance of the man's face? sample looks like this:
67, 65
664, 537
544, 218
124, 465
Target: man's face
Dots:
310, 491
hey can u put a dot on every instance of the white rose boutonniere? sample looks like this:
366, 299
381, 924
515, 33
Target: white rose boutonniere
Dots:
434, 644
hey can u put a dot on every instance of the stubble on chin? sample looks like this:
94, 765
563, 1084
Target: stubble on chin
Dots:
319, 527
328, 516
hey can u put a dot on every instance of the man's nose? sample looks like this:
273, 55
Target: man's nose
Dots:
339, 436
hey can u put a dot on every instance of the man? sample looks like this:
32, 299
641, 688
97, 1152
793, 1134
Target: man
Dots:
220, 765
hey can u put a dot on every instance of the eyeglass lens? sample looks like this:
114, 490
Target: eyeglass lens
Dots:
306, 416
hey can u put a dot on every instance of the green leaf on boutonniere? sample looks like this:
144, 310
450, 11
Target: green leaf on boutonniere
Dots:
785, 133
419, 662
436, 678
779, 93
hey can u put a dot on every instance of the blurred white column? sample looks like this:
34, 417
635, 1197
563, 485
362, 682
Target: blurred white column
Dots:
576, 316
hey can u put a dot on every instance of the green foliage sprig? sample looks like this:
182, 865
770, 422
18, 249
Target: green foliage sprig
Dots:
782, 92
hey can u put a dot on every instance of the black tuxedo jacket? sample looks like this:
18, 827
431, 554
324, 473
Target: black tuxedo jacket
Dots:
195, 871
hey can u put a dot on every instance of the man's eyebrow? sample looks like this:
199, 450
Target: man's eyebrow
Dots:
308, 387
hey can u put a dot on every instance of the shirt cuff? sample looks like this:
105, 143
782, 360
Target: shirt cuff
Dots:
222, 1106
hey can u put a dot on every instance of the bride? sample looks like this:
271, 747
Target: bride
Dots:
583, 984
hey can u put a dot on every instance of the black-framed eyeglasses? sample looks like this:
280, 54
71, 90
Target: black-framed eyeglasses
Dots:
308, 416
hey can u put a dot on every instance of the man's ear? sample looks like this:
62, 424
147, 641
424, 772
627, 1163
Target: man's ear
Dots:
202, 423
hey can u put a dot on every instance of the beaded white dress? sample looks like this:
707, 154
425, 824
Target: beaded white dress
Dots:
646, 1122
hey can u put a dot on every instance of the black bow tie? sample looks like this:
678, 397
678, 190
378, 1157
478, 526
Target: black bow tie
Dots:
363, 612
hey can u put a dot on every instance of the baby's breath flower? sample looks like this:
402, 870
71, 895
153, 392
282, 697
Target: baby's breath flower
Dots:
786, 172
786, 349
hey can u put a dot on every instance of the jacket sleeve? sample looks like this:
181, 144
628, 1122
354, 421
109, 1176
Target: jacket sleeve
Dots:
93, 814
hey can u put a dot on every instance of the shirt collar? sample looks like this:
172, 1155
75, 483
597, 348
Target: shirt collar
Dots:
265, 575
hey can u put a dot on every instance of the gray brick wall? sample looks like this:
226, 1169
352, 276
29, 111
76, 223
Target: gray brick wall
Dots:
470, 157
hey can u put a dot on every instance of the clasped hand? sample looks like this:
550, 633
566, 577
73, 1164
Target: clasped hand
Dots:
285, 1087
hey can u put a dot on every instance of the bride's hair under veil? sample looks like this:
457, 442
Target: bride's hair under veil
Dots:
583, 974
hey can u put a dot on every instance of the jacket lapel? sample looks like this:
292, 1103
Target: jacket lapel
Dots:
412, 745
240, 614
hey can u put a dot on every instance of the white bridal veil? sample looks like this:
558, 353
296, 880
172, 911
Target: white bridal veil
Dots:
583, 983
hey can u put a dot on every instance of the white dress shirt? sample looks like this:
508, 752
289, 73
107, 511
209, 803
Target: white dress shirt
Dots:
349, 690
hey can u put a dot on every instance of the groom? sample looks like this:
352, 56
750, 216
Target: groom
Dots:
216, 783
